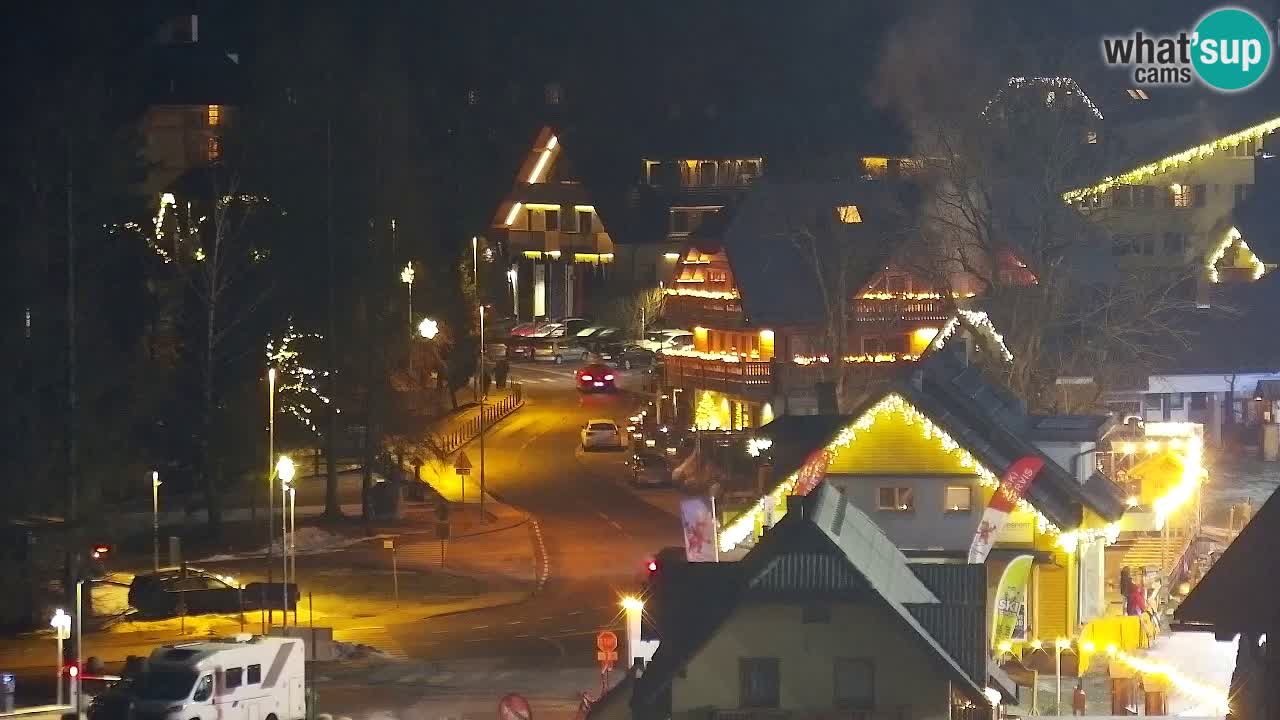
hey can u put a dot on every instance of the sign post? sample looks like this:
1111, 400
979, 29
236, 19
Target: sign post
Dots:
61, 624
462, 466
607, 654
395, 575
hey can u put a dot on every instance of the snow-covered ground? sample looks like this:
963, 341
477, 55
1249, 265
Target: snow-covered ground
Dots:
1200, 657
307, 541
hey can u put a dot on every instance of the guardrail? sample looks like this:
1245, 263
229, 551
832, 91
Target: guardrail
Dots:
490, 414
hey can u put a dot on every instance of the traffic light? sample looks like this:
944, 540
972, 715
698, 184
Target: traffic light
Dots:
652, 567
100, 551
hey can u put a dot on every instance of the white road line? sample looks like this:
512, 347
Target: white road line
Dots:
479, 627
513, 622
575, 612
616, 525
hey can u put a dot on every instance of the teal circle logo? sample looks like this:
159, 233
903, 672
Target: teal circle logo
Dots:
1231, 49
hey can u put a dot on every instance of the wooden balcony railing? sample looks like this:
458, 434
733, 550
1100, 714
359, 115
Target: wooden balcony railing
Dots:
749, 377
892, 310
689, 311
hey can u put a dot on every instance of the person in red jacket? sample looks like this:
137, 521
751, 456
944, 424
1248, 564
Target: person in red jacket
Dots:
1137, 599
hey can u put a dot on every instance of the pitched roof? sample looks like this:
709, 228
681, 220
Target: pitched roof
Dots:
824, 545
760, 241
979, 415
1238, 594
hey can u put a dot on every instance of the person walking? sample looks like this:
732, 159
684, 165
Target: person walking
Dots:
1126, 587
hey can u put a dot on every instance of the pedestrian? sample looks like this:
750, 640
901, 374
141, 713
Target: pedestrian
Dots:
1078, 698
1126, 587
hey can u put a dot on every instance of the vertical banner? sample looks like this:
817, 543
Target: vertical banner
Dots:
812, 472
1009, 611
1012, 487
697, 514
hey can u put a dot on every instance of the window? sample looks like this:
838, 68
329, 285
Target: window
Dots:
1242, 192
214, 115
1122, 196
1145, 244
1197, 195
584, 221
1091, 137
1176, 401
473, 96
707, 173
848, 214
717, 276
758, 682
204, 690
1179, 195
214, 149
570, 222
855, 684
959, 499
254, 675
1144, 196
897, 499
1175, 243
815, 613
554, 93
553, 219
232, 677
897, 284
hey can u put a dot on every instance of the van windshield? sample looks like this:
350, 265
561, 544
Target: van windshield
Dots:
167, 684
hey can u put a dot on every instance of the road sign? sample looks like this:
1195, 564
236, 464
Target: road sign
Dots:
462, 465
607, 659
514, 707
606, 641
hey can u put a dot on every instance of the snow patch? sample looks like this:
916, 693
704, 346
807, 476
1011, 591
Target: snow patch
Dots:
308, 541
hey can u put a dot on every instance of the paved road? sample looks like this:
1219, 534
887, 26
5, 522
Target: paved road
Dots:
597, 533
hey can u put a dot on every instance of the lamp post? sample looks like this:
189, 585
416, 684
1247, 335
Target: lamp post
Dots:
483, 391
406, 277
514, 277
61, 624
284, 469
632, 606
1058, 646
475, 285
271, 470
155, 520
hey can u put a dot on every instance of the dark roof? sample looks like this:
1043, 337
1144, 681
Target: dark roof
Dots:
1225, 338
985, 419
194, 74
825, 546
1069, 428
1239, 592
760, 242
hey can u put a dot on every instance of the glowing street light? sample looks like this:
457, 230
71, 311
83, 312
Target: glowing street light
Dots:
285, 471
514, 277
428, 328
633, 607
155, 520
61, 623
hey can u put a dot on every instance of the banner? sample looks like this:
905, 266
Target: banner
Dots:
812, 472
697, 514
1009, 611
1011, 489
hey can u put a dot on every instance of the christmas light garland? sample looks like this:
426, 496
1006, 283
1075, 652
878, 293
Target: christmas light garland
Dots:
979, 320
296, 381
1058, 83
1138, 174
1233, 235
707, 294
741, 526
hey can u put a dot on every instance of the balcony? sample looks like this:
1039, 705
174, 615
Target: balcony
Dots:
690, 311
899, 309
559, 241
747, 378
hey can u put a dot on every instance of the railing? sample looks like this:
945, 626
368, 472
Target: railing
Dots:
490, 414
748, 376
687, 310
873, 310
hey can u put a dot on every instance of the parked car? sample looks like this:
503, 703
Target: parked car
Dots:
595, 378
158, 594
659, 340
555, 350
598, 342
649, 469
526, 329
631, 356
602, 433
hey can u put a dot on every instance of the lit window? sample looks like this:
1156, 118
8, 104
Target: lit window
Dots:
875, 167
1179, 195
897, 499
849, 214
959, 498
214, 148
214, 115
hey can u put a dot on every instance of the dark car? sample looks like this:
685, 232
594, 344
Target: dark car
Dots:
600, 342
595, 378
633, 356
160, 593
649, 469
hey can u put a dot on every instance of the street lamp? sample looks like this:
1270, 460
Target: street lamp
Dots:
61, 624
271, 458
428, 328
155, 520
406, 277
1058, 646
514, 277
285, 470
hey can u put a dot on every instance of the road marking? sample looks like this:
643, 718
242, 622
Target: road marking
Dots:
479, 627
549, 617
542, 551
513, 622
524, 635
615, 525
575, 612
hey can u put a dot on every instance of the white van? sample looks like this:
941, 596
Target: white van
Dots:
248, 677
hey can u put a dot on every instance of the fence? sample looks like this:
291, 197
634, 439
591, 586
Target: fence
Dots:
490, 413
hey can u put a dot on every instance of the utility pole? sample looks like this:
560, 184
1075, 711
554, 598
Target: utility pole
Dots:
483, 391
73, 409
331, 507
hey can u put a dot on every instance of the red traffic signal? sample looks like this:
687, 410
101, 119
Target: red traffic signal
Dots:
101, 550
653, 566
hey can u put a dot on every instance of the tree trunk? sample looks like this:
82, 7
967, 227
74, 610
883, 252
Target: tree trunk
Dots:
212, 500
331, 507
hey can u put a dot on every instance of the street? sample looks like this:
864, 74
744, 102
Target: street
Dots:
591, 536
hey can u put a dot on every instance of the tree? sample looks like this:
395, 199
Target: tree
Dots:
633, 310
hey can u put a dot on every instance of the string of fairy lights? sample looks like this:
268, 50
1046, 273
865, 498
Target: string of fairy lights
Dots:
296, 382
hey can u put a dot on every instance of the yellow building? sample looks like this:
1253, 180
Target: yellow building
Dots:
923, 457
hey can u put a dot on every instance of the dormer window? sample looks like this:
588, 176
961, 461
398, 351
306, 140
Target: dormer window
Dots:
848, 214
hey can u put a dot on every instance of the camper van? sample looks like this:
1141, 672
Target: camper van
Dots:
248, 677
